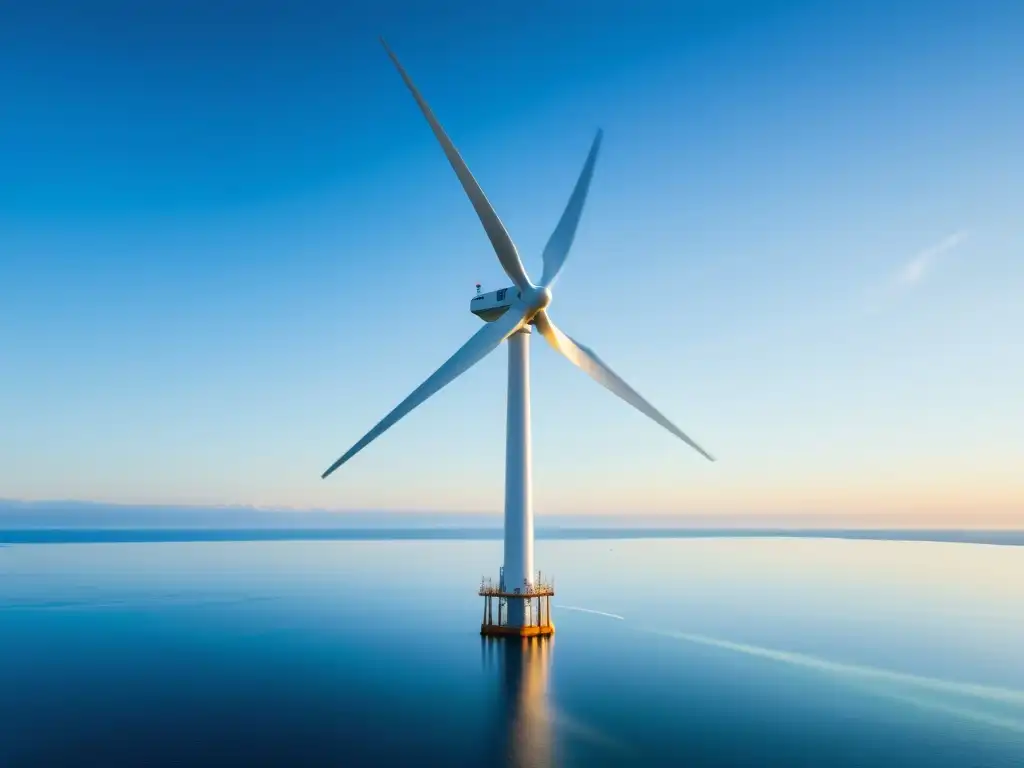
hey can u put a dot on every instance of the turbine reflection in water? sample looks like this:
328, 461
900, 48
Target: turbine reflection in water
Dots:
524, 733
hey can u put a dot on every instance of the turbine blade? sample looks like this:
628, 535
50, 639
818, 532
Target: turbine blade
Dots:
561, 239
499, 237
598, 370
482, 343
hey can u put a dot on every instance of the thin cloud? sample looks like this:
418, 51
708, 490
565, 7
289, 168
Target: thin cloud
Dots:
915, 270
912, 273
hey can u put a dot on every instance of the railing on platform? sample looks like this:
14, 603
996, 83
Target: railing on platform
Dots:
539, 588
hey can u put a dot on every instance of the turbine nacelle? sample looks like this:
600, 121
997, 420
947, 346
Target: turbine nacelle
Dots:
490, 306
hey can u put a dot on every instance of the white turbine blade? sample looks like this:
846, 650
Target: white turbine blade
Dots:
596, 368
482, 343
503, 245
561, 239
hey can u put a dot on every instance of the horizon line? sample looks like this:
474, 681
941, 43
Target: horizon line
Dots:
25, 508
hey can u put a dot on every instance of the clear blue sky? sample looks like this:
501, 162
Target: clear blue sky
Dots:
229, 244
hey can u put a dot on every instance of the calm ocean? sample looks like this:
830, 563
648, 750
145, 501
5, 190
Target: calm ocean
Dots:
697, 651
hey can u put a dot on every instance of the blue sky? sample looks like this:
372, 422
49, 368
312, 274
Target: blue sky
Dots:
229, 244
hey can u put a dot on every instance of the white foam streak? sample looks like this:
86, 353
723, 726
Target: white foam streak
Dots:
990, 693
968, 713
588, 610
857, 673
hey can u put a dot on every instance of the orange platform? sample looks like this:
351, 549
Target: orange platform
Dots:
496, 630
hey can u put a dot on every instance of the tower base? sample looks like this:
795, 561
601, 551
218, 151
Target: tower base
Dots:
531, 616
496, 630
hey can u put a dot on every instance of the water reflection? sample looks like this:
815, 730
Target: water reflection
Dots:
522, 670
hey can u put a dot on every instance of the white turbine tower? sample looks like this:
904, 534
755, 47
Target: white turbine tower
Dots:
509, 314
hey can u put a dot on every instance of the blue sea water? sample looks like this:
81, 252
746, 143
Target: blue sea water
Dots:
704, 651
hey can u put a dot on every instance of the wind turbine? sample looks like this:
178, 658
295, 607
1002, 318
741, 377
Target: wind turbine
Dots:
509, 314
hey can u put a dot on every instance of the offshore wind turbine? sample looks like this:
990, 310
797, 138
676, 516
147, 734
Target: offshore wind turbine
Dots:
509, 314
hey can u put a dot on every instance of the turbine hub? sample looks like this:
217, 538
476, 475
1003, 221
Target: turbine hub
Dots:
538, 298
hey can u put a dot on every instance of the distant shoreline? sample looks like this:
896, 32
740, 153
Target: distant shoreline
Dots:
443, 533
